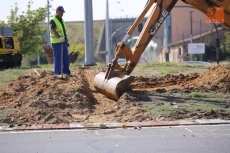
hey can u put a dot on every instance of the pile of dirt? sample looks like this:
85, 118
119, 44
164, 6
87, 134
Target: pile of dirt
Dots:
33, 100
217, 79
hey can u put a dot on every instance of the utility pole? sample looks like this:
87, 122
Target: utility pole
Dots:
165, 40
167, 37
107, 32
89, 41
177, 33
48, 21
200, 30
47, 31
201, 56
191, 33
183, 45
217, 45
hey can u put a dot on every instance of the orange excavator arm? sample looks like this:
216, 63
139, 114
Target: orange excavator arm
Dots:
160, 10
116, 80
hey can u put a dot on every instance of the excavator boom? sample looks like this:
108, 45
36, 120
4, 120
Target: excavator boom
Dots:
115, 80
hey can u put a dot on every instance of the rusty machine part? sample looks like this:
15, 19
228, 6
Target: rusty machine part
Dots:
48, 53
73, 56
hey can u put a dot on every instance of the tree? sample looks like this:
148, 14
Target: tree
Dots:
210, 54
26, 28
225, 46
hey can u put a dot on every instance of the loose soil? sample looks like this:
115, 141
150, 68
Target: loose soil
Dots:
33, 100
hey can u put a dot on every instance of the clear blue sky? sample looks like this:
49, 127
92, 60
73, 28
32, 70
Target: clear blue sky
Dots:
75, 8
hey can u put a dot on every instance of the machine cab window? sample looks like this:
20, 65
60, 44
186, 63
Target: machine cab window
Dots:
9, 43
1, 46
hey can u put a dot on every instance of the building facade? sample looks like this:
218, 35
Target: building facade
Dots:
186, 22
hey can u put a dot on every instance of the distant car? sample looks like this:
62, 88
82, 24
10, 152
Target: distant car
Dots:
122, 61
197, 62
142, 60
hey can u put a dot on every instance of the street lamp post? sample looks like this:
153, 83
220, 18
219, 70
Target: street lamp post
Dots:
117, 31
107, 28
111, 42
112, 20
48, 22
47, 34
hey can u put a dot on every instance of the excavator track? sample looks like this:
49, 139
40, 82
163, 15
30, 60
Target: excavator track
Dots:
10, 61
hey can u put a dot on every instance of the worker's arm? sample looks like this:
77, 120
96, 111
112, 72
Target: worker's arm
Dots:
55, 33
53, 29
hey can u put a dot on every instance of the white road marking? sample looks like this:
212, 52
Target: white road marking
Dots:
188, 130
96, 132
208, 129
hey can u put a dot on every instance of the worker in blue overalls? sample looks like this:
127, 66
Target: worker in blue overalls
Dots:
59, 41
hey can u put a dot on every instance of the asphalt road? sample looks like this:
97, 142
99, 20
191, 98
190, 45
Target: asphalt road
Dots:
179, 139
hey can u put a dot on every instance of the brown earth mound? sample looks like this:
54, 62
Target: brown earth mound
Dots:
217, 79
33, 100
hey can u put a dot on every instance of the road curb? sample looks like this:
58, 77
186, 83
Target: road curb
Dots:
94, 126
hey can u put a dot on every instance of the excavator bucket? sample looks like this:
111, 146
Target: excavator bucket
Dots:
113, 87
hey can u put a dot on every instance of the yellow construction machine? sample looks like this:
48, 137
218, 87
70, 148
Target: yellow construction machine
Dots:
10, 56
115, 80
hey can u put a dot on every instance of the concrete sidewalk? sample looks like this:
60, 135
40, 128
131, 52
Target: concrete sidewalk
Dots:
136, 125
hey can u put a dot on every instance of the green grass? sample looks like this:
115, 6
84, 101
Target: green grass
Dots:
208, 97
198, 95
165, 110
204, 106
208, 106
161, 69
164, 64
4, 112
11, 74
170, 70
